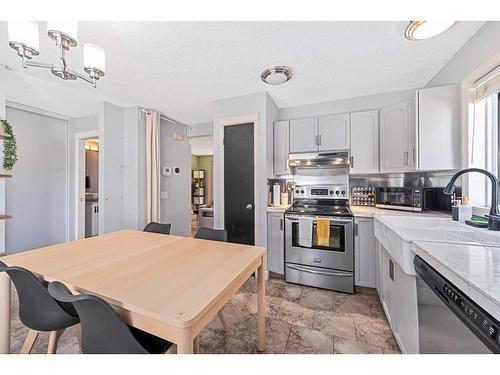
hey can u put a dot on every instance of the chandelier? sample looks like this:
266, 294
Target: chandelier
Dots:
24, 38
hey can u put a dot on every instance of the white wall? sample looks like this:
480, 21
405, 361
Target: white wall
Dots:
2, 181
176, 208
37, 194
111, 134
241, 106
272, 116
201, 130
482, 46
362, 103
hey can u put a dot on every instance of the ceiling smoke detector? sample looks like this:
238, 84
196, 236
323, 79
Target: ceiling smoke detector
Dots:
276, 75
419, 30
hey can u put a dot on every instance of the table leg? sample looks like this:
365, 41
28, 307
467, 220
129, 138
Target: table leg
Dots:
261, 307
4, 313
185, 342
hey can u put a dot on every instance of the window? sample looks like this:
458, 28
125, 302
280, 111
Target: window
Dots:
484, 146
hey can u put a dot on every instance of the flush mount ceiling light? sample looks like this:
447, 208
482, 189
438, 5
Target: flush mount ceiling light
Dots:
419, 30
24, 38
276, 75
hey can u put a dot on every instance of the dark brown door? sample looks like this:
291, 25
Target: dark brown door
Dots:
239, 205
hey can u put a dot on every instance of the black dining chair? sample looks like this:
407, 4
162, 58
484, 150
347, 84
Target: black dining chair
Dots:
158, 228
214, 235
211, 234
103, 332
38, 310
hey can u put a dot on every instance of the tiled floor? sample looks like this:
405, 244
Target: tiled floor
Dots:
299, 320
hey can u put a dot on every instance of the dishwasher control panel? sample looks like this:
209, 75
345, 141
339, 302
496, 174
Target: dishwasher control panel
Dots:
477, 319
472, 313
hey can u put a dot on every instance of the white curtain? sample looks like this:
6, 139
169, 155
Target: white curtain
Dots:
153, 166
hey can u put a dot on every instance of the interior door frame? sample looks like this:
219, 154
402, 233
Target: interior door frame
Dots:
79, 229
229, 121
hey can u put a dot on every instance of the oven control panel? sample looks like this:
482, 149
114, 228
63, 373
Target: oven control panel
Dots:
322, 192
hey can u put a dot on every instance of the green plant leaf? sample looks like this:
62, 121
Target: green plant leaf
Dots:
9, 146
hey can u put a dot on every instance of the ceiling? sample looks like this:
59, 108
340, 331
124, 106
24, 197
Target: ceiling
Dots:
180, 68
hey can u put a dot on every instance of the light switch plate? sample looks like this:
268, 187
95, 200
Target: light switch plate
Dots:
166, 171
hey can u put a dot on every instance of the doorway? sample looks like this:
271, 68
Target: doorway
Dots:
87, 150
91, 169
239, 183
202, 166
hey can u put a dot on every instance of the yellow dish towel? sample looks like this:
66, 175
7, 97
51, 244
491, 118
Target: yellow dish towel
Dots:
323, 231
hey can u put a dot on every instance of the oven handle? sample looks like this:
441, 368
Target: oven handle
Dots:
333, 273
343, 221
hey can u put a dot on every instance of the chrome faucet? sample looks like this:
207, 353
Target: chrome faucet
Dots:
493, 217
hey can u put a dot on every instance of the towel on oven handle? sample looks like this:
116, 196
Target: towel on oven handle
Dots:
323, 231
305, 231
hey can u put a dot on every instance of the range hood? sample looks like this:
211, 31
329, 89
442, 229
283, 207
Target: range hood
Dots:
336, 159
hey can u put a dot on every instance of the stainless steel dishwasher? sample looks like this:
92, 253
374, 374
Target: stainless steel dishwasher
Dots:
448, 320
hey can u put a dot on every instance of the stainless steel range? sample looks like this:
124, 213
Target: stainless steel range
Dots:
308, 261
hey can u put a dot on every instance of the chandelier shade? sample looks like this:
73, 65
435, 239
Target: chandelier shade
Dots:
68, 29
24, 34
93, 58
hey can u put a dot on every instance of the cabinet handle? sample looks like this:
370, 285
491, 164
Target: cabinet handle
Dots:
391, 269
319, 138
414, 155
406, 157
281, 225
352, 161
356, 229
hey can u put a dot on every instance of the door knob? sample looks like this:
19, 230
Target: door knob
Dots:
249, 206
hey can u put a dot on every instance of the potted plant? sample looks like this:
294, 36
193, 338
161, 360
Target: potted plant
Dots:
9, 146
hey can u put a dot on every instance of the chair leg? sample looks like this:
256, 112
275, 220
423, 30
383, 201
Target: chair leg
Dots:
29, 341
222, 320
196, 345
53, 340
78, 333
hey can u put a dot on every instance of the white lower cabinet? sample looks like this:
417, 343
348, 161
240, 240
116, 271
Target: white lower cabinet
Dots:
364, 253
275, 242
398, 294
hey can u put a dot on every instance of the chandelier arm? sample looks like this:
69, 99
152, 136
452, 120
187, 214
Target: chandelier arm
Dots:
93, 82
38, 64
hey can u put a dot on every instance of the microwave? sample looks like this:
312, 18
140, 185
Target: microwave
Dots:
406, 198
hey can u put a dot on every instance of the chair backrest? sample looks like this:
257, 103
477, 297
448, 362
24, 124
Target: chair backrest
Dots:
37, 309
103, 332
158, 228
211, 234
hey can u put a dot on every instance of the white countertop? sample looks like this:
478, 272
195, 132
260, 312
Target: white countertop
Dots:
278, 209
474, 269
365, 211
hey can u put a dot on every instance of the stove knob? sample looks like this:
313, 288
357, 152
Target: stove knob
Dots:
343, 192
302, 192
331, 192
337, 192
297, 191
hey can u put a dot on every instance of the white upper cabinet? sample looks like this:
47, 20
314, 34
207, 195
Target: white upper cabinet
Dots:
334, 132
281, 146
364, 143
303, 135
395, 136
438, 120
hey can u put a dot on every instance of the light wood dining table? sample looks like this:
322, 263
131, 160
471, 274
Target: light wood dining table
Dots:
166, 285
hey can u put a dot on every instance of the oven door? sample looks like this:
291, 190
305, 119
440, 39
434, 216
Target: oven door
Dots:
402, 197
339, 254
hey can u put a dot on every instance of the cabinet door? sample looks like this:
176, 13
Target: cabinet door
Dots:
281, 145
364, 142
395, 138
407, 311
438, 128
275, 243
365, 252
303, 135
334, 132
388, 294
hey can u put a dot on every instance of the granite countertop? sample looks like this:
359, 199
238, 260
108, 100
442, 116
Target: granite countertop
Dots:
365, 211
474, 269
278, 209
